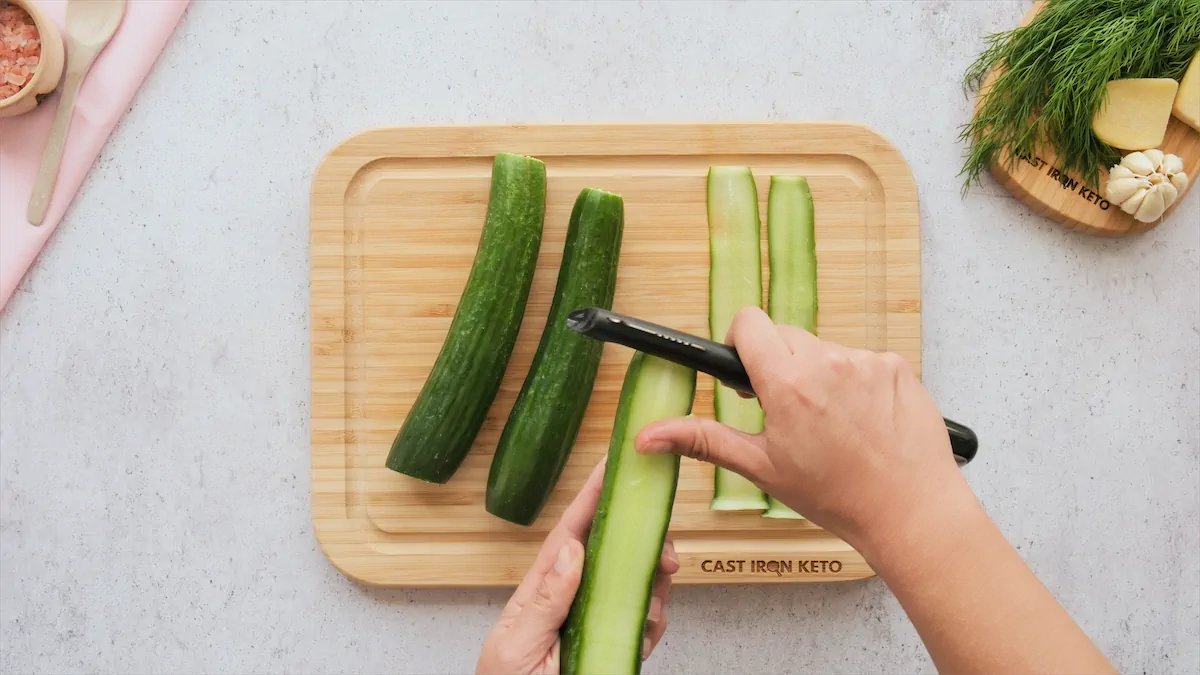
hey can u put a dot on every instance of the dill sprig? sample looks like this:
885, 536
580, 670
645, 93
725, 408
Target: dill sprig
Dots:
1053, 74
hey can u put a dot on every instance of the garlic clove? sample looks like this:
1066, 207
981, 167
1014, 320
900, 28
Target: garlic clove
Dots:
1172, 164
1131, 205
1155, 157
1179, 180
1169, 194
1151, 208
1118, 171
1138, 163
1123, 188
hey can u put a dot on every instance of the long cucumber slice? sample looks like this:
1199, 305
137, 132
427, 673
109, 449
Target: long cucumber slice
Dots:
604, 629
735, 281
792, 254
453, 403
544, 422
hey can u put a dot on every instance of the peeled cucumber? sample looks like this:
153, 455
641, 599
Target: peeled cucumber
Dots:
735, 281
792, 255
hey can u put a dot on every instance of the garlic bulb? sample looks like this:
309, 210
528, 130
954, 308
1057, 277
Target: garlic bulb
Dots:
1145, 184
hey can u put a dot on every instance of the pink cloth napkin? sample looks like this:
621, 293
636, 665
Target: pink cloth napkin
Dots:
105, 95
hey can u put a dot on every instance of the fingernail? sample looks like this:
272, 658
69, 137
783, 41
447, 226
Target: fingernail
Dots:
671, 555
655, 612
562, 564
645, 648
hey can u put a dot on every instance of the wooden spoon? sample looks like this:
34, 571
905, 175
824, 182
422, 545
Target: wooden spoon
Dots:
90, 25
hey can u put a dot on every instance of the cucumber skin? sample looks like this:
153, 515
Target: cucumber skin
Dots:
571, 633
802, 313
545, 420
753, 499
453, 403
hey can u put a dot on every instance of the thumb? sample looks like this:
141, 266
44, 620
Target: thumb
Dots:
708, 441
536, 627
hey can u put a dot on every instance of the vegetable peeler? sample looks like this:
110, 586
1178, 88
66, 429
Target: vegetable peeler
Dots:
713, 358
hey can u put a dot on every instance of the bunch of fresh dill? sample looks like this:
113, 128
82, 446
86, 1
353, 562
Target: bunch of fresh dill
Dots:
1052, 75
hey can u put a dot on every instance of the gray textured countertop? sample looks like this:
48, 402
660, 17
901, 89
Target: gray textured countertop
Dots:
154, 466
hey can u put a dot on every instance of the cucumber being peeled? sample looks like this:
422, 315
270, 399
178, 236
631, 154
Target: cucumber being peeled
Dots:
605, 627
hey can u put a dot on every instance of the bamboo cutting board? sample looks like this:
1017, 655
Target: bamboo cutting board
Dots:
396, 216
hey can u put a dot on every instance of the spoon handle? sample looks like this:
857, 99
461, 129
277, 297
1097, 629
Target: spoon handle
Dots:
43, 186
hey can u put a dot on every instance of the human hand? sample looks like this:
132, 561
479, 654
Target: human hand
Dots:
525, 639
852, 441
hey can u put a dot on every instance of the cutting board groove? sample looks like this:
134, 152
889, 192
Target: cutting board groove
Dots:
396, 214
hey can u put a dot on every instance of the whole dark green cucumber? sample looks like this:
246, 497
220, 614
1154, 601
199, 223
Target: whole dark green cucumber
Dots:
453, 403
544, 422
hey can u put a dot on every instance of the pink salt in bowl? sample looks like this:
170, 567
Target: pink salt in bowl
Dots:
31, 56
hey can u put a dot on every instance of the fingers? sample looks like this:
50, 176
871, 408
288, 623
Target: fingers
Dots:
573, 525
577, 519
758, 343
656, 618
708, 441
798, 340
535, 628
669, 562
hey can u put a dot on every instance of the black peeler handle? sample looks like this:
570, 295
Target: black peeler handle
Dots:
718, 360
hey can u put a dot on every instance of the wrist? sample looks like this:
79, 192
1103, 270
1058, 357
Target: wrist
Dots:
925, 531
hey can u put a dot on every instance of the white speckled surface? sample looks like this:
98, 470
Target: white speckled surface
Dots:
154, 364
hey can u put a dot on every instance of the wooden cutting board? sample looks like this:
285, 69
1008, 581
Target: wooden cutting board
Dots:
1067, 199
396, 215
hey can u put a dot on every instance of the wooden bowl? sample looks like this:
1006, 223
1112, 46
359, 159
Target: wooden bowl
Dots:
49, 69
1065, 199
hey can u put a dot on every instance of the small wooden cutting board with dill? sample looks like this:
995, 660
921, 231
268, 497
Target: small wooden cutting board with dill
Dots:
1040, 86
